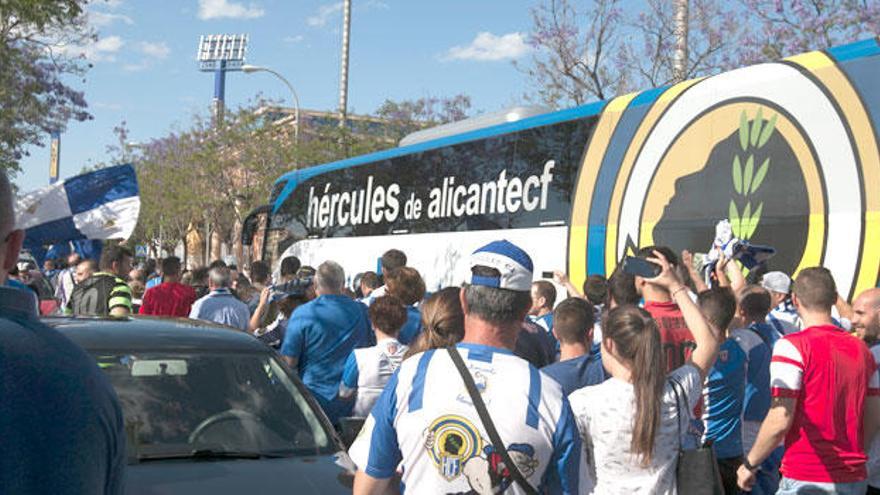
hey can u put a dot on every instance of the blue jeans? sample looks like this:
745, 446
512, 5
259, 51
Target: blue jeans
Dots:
789, 486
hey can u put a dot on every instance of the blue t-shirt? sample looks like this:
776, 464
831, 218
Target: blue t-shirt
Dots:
154, 282
412, 327
61, 427
321, 334
757, 342
577, 373
768, 333
723, 398
545, 322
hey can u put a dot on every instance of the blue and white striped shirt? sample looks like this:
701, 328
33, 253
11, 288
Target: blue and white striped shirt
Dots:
425, 422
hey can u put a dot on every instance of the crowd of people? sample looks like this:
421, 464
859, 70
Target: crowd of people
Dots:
502, 386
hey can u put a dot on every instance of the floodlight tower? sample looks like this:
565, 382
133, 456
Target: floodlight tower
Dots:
219, 53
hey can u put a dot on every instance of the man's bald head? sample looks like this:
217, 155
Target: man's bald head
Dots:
870, 296
866, 315
10, 240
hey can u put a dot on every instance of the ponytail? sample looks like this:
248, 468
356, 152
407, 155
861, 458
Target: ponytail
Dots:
647, 377
442, 322
637, 342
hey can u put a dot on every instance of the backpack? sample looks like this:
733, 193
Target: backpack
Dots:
90, 297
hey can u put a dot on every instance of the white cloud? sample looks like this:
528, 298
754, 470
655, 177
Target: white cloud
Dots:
105, 19
152, 52
489, 47
103, 50
157, 50
218, 9
324, 14
294, 39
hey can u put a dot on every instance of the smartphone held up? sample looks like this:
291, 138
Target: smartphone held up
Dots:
635, 265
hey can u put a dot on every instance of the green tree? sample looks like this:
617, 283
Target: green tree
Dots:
211, 177
35, 66
406, 116
586, 51
787, 28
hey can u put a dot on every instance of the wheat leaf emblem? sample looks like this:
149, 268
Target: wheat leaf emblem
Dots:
749, 173
753, 135
743, 131
759, 177
737, 175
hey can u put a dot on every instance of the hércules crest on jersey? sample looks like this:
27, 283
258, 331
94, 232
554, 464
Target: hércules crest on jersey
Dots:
456, 448
451, 440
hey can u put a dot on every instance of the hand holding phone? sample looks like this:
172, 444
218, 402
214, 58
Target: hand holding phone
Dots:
641, 267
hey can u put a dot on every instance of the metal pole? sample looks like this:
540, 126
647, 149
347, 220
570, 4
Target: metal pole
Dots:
343, 74
680, 62
219, 92
207, 243
54, 157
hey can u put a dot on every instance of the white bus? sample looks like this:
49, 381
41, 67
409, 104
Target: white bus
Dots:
787, 151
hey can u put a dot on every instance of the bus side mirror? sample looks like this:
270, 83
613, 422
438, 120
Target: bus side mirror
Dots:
252, 224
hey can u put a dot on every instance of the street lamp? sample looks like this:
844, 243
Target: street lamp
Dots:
250, 69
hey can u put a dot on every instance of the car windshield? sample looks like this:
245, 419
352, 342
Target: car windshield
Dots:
191, 404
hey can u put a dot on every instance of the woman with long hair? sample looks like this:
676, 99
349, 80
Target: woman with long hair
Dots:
442, 322
630, 423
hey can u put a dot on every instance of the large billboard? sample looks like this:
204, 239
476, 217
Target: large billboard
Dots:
786, 151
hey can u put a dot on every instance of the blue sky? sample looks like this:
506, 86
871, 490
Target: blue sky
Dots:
145, 70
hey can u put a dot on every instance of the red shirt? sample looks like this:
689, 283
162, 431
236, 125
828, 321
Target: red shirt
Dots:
829, 372
677, 340
168, 299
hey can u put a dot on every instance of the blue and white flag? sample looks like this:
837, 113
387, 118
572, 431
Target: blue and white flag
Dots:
103, 204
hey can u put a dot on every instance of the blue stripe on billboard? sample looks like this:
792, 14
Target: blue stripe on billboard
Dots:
864, 48
617, 147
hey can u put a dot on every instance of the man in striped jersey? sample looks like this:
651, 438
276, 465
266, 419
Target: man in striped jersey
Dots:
426, 426
105, 292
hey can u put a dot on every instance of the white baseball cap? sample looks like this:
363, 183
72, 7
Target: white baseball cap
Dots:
776, 282
514, 265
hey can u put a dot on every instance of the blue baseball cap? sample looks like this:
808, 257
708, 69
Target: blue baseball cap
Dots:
514, 265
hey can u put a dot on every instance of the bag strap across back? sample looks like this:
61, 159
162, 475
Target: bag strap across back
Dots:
675, 384
497, 443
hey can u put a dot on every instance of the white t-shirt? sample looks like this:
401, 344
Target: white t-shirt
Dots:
425, 424
376, 294
367, 371
605, 415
